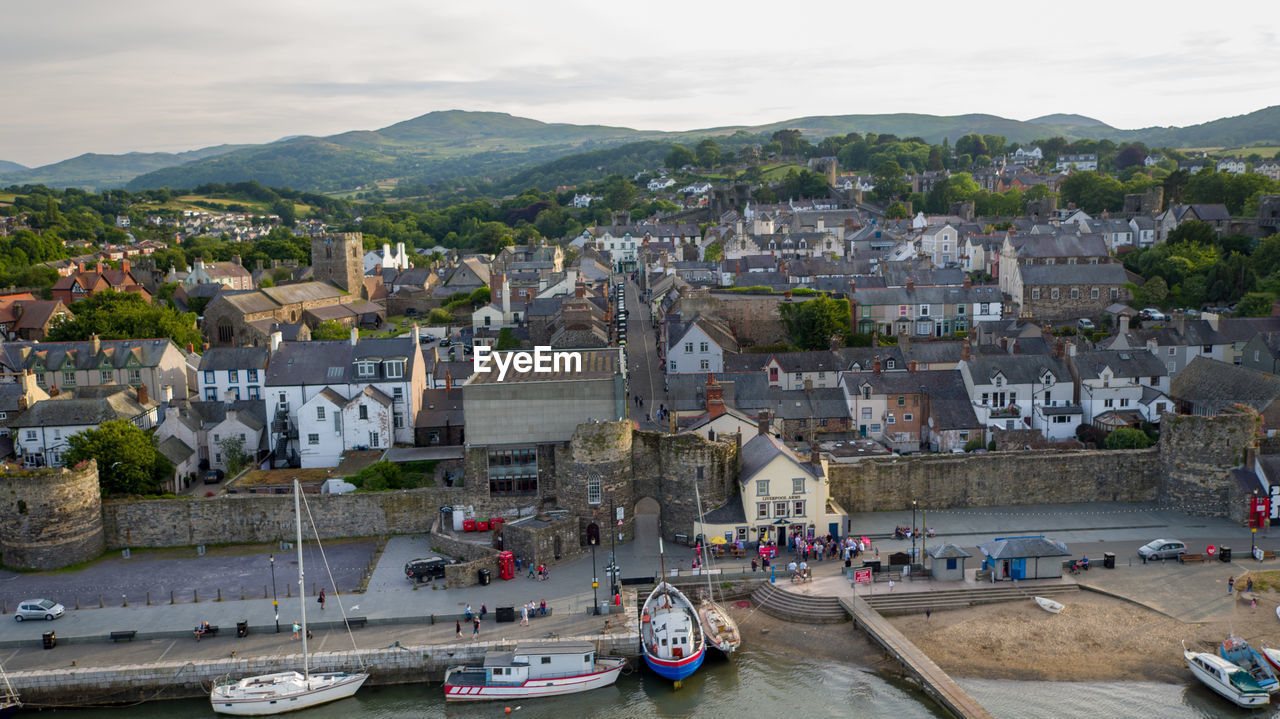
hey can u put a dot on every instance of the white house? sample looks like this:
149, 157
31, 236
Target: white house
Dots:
1232, 165
40, 433
1113, 384
228, 374
580, 201
389, 259
497, 315
659, 184
1028, 156
941, 243
1082, 162
330, 424
1022, 392
792, 370
697, 188
697, 345
1144, 231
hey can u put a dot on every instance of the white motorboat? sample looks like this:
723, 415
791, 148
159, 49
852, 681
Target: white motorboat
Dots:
534, 670
1049, 605
1227, 679
268, 694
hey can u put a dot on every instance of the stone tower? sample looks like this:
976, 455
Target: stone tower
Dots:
50, 518
339, 260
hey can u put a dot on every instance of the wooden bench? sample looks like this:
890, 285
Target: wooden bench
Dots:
212, 631
357, 622
126, 635
1268, 554
1186, 558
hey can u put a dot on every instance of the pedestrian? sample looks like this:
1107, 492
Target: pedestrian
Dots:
928, 613
753, 564
617, 599
1249, 586
1231, 584
483, 611
296, 628
532, 573
1253, 605
467, 612
321, 599
457, 625
542, 608
475, 630
890, 585
524, 615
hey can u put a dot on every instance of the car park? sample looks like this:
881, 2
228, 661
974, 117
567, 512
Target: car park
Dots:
46, 609
1162, 549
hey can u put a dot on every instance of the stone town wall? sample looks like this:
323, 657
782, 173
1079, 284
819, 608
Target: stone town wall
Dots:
754, 319
664, 467
1196, 458
995, 479
598, 452
539, 541
51, 518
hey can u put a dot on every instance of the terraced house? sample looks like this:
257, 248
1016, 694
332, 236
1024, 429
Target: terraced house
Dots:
924, 311
158, 364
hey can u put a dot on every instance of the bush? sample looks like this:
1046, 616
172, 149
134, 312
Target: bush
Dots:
991, 446
803, 291
1128, 438
975, 443
1091, 436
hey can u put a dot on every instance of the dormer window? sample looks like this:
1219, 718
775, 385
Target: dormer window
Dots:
394, 368
366, 368
998, 381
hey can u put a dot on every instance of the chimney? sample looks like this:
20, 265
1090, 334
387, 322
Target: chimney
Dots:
82, 269
964, 352
124, 264
142, 394
580, 290
911, 284
835, 342
167, 393
506, 300
1250, 457
400, 255
1124, 324
853, 286
1059, 348
355, 336
276, 338
191, 348
808, 385
386, 252
448, 381
95, 344
54, 391
1180, 322
762, 423
875, 365
100, 267
377, 269
715, 397
496, 282
912, 366
968, 282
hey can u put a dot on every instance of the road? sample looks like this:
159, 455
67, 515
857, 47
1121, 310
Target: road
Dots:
643, 366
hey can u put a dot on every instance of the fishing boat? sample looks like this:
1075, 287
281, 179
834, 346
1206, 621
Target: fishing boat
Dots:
9, 701
534, 670
281, 692
1225, 678
670, 634
1237, 651
718, 626
1049, 605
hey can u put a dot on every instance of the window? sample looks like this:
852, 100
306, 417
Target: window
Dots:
902, 310
1054, 294
762, 510
235, 393
688, 347
208, 377
891, 420
702, 347
1170, 351
233, 376
798, 508
902, 401
135, 376
866, 412
875, 428
924, 310
1035, 293
513, 471
253, 375
1093, 293
210, 394
959, 309
593, 489
397, 421
395, 368
69, 379
366, 369
890, 364
951, 563
1075, 293
1207, 349
797, 485
217, 458
762, 487
1124, 401
253, 393
907, 417
985, 399
31, 435
1061, 419
40, 381
964, 436
364, 411
673, 365
779, 509
373, 439
1108, 403
313, 439
319, 414
1047, 399
104, 376
1159, 407
546, 660
704, 364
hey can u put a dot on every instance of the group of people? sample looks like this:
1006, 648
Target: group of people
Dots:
532, 610
540, 572
905, 532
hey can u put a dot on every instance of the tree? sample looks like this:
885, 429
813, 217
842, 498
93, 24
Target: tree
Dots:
678, 157
480, 296
788, 140
330, 330
619, 193
1128, 438
119, 315
708, 153
1193, 231
1254, 304
896, 211
1130, 156
439, 316
712, 252
972, 144
1154, 292
284, 209
935, 158
233, 454
813, 323
888, 178
128, 462
507, 339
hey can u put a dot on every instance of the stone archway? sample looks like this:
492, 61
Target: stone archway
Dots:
647, 511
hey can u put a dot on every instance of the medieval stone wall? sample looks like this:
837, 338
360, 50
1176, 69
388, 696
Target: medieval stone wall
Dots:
1196, 458
50, 518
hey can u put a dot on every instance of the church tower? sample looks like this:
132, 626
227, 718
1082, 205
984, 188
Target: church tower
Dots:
339, 260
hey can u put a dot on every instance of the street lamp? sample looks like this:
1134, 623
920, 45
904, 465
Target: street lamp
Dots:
275, 599
913, 531
1253, 525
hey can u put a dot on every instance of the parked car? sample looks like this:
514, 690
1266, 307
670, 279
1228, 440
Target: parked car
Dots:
1085, 324
213, 476
1152, 313
1162, 549
46, 609
446, 342
426, 568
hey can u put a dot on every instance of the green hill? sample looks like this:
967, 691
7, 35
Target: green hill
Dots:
6, 166
92, 171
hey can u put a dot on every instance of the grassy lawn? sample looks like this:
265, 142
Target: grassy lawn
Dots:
777, 172
7, 197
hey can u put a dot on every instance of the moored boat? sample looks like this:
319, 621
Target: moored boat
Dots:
9, 701
1237, 651
533, 670
1228, 680
718, 627
1049, 605
670, 634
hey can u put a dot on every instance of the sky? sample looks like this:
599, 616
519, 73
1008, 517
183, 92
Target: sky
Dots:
171, 75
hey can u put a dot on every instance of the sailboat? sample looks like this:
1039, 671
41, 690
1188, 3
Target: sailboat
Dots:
282, 692
670, 635
718, 626
9, 702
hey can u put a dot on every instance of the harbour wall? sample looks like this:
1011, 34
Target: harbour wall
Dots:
80, 686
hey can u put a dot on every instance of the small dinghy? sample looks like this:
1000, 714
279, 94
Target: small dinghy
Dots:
1237, 651
1049, 605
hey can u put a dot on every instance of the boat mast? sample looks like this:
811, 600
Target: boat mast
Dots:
706, 549
302, 584
662, 558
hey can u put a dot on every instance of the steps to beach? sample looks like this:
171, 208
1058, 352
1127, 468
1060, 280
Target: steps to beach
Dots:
793, 607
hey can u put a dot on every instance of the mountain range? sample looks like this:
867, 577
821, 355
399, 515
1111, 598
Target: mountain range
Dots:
447, 145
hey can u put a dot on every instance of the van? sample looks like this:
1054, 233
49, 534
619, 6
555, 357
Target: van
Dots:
425, 568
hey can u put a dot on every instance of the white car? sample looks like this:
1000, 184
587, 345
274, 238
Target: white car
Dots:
1153, 313
46, 609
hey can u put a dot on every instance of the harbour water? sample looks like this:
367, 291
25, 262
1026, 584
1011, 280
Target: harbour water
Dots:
757, 683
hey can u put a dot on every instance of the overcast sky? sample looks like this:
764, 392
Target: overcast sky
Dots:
171, 75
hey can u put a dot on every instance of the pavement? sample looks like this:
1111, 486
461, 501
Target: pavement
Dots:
399, 611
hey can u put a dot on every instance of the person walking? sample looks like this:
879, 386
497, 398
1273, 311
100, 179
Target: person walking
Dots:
891, 585
1253, 605
320, 599
754, 564
524, 616
1231, 584
483, 611
475, 630
457, 625
296, 628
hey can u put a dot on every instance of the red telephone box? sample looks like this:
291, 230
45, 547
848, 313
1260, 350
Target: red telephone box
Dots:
506, 565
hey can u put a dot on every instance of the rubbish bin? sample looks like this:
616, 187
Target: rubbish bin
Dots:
1109, 560
504, 614
50, 640
242, 629
484, 577
872, 564
1225, 553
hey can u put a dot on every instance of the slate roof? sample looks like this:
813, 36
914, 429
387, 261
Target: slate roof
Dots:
873, 296
1270, 466
228, 358
1123, 364
1104, 274
818, 403
1214, 386
747, 391
116, 353
947, 550
1015, 548
817, 361
864, 358
714, 328
1059, 245
333, 361
730, 512
745, 362
930, 352
440, 407
175, 450
89, 406
1017, 369
763, 449
1242, 329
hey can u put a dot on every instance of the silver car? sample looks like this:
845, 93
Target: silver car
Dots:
38, 609
1162, 549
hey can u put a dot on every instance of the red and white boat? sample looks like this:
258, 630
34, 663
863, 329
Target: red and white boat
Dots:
533, 670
